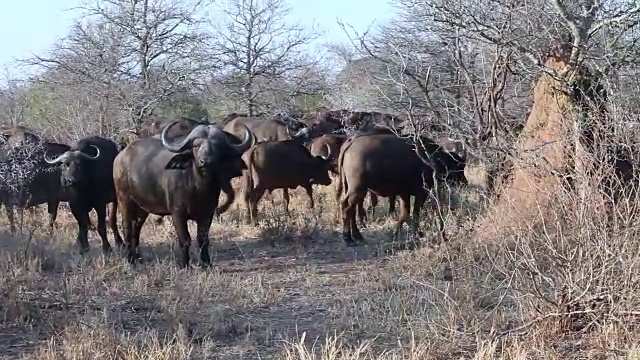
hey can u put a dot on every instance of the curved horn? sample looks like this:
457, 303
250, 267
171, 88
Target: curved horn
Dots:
246, 142
89, 157
289, 132
302, 132
182, 146
328, 156
59, 159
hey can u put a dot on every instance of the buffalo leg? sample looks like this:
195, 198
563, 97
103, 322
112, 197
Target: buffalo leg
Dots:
230, 195
374, 203
52, 209
418, 203
405, 207
392, 205
184, 239
113, 223
127, 226
130, 222
254, 198
355, 232
350, 232
361, 213
309, 189
202, 237
140, 218
247, 189
345, 211
286, 199
81, 214
101, 212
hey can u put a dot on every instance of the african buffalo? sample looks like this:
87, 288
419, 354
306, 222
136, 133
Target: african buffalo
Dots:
364, 120
326, 122
153, 127
281, 165
360, 210
449, 165
267, 129
327, 145
272, 128
225, 120
28, 181
182, 179
339, 121
385, 165
86, 170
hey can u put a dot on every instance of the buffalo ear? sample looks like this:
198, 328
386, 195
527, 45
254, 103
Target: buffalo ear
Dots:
180, 161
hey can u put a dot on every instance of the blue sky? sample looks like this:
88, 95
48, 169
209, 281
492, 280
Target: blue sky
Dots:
31, 26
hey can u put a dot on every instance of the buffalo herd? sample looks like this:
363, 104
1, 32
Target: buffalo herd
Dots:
179, 167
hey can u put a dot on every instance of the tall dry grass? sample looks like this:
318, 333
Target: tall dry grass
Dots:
290, 289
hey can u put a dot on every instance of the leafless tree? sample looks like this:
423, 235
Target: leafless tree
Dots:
460, 40
133, 54
480, 59
13, 101
259, 52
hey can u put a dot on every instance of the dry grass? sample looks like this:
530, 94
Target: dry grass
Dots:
290, 289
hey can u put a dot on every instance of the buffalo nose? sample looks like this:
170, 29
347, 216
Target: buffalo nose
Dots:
201, 162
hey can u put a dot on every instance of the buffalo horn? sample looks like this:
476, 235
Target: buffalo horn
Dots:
328, 156
304, 131
246, 142
89, 157
186, 142
60, 158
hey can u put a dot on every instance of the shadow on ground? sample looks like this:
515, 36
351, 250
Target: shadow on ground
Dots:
316, 247
281, 309
268, 283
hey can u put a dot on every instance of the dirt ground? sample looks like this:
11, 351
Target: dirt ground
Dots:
287, 289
